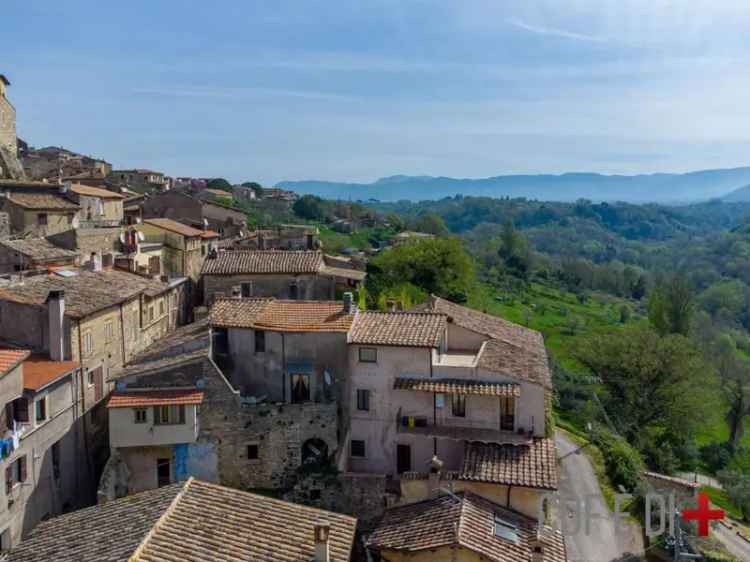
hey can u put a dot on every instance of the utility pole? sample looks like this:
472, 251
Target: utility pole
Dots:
677, 543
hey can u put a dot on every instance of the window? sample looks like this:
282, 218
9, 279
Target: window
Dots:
507, 413
161, 308
169, 415
458, 405
19, 411
368, 355
300, 388
358, 448
293, 291
136, 325
109, 331
88, 343
56, 460
15, 474
40, 410
252, 452
41, 218
505, 530
163, 472
151, 313
314, 495
260, 341
247, 290
363, 400
90, 377
70, 219
140, 415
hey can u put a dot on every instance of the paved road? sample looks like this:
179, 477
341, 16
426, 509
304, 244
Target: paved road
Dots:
577, 480
738, 546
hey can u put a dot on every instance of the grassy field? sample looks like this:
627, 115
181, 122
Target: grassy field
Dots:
557, 314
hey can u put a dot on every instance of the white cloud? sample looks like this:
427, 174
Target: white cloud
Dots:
551, 31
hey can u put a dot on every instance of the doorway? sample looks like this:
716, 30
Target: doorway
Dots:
403, 458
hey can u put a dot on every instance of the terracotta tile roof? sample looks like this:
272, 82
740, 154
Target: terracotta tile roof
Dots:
39, 371
466, 520
174, 226
86, 292
458, 386
172, 397
10, 358
39, 249
89, 191
281, 315
414, 329
107, 532
210, 522
43, 201
512, 349
533, 466
209, 234
263, 262
193, 520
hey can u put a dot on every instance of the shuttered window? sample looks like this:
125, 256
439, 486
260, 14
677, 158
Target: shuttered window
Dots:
169, 415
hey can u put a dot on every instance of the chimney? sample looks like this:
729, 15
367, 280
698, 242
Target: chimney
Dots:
65, 186
349, 307
56, 312
537, 548
433, 478
322, 550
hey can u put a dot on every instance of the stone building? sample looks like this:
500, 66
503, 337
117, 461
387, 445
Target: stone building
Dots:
10, 167
463, 527
139, 179
302, 275
43, 449
218, 433
38, 209
282, 237
196, 521
99, 207
29, 254
184, 248
100, 319
49, 162
225, 220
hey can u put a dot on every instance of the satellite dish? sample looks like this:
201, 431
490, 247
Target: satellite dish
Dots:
122, 238
205, 223
327, 377
141, 237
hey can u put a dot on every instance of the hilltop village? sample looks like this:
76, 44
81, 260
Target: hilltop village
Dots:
178, 383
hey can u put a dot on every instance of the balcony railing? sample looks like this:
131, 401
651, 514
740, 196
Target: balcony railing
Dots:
467, 431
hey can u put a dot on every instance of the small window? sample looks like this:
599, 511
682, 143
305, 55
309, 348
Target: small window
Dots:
314, 495
293, 291
363, 399
15, 474
252, 452
40, 410
42, 218
300, 388
358, 448
88, 343
109, 331
458, 405
151, 314
91, 378
506, 530
368, 355
140, 415
247, 290
161, 308
56, 460
70, 219
260, 341
169, 415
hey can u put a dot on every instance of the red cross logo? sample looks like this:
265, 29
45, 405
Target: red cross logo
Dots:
703, 515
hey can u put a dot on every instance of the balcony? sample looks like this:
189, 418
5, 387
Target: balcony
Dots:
467, 431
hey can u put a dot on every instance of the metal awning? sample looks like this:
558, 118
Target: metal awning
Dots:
458, 386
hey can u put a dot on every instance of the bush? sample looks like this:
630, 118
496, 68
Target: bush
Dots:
624, 464
716, 456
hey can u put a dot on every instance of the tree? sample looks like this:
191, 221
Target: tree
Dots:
737, 486
670, 306
509, 239
734, 381
654, 385
252, 185
309, 207
431, 223
638, 290
219, 183
439, 266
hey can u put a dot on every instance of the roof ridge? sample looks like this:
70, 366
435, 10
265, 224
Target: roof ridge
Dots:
164, 516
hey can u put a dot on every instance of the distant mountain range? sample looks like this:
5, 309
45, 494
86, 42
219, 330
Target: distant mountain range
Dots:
741, 195
644, 188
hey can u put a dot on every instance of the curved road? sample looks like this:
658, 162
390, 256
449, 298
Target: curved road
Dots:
577, 480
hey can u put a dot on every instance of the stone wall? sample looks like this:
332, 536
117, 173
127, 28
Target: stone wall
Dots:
7, 125
89, 240
309, 286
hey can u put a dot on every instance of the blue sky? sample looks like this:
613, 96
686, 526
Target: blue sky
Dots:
356, 90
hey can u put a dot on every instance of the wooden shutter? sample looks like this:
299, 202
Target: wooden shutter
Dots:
181, 409
9, 415
8, 479
157, 416
22, 468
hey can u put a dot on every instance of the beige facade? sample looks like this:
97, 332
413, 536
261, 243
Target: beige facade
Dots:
133, 431
7, 119
40, 222
97, 209
182, 254
283, 286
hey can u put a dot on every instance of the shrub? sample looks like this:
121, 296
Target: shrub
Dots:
624, 464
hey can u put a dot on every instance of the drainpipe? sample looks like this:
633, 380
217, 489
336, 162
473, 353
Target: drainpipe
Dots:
283, 368
434, 405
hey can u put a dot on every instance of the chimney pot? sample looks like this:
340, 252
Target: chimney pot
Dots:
322, 550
